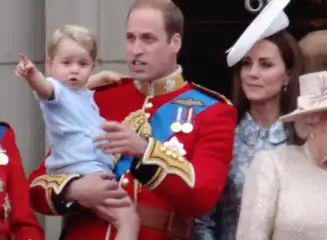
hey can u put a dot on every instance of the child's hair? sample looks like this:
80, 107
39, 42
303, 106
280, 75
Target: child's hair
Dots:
81, 35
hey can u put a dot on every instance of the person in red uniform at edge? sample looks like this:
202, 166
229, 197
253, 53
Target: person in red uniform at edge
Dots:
172, 140
17, 218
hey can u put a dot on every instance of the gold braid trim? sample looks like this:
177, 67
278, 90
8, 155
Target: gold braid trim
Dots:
169, 162
52, 184
138, 121
56, 183
212, 93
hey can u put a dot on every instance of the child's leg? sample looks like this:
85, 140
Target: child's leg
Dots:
129, 224
125, 220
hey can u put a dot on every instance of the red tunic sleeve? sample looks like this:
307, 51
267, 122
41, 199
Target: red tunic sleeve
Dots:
47, 192
38, 193
22, 219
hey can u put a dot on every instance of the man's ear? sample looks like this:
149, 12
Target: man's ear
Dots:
176, 43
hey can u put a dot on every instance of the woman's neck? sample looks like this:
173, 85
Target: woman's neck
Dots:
265, 114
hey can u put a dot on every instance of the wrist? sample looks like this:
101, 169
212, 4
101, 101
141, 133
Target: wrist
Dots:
36, 80
143, 147
35, 76
61, 196
69, 192
103, 75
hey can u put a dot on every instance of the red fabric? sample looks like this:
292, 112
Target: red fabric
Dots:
22, 222
39, 200
208, 146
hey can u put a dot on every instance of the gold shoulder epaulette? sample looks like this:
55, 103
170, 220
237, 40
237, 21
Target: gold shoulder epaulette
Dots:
212, 93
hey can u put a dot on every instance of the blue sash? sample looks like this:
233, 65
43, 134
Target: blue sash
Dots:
3, 129
164, 117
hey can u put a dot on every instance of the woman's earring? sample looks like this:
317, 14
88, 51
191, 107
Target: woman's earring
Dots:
285, 88
311, 136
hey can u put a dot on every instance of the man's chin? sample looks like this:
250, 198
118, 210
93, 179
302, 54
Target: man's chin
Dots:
141, 76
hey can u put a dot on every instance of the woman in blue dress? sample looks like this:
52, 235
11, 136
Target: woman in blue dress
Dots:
266, 68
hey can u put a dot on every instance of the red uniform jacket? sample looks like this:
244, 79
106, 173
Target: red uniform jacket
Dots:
17, 217
169, 184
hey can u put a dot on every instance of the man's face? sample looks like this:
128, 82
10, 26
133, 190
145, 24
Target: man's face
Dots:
149, 53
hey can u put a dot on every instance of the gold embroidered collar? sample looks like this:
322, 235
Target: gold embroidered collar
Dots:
161, 86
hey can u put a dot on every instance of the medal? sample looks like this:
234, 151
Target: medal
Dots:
187, 127
176, 126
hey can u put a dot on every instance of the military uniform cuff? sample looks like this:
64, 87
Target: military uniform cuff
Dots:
159, 161
55, 187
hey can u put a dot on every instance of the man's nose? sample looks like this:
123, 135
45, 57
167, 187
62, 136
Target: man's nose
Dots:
137, 48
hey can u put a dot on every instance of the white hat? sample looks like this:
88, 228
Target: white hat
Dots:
313, 96
269, 21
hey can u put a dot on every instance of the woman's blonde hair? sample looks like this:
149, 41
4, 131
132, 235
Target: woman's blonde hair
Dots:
314, 49
83, 36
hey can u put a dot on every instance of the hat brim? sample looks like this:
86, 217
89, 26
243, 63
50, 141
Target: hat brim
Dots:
256, 30
295, 115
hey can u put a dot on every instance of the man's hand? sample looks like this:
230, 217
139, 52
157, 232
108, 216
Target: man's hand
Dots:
121, 139
104, 78
97, 190
112, 77
25, 68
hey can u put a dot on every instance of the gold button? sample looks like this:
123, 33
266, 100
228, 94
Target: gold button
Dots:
147, 115
140, 122
162, 148
148, 105
181, 159
174, 155
125, 181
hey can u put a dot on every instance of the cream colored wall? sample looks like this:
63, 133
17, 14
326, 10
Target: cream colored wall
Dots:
24, 25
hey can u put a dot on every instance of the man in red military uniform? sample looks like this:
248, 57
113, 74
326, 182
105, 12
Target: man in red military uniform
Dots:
17, 218
172, 141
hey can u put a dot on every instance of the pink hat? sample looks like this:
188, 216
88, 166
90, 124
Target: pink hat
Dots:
313, 96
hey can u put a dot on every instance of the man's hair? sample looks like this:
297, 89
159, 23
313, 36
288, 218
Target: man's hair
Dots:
83, 36
172, 15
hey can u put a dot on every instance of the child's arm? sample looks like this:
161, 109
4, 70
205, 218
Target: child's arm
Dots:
26, 69
104, 78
